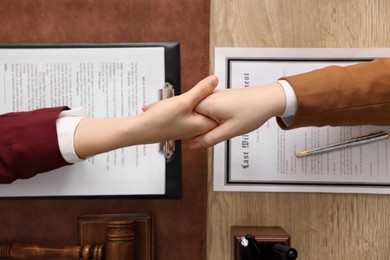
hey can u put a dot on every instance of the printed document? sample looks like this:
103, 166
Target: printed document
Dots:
264, 160
107, 82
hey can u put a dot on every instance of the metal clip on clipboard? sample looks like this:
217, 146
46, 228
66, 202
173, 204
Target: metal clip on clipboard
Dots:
167, 147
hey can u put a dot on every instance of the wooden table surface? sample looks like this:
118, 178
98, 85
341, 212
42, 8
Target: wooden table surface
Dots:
322, 226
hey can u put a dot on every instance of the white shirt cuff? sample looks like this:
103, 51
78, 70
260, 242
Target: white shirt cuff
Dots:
291, 103
67, 122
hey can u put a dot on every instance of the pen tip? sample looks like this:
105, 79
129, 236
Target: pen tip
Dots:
302, 154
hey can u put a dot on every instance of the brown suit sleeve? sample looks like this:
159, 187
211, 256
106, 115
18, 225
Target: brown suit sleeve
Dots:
343, 96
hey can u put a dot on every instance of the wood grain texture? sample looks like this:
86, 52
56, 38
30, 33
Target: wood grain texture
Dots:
321, 226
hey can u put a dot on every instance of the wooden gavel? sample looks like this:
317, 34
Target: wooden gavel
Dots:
119, 245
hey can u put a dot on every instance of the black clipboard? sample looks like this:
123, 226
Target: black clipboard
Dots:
171, 148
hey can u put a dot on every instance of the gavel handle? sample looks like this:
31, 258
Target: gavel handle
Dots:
28, 251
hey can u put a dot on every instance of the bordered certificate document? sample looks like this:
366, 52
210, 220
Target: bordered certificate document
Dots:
109, 81
265, 159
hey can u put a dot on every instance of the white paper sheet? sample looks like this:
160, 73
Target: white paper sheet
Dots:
265, 160
107, 82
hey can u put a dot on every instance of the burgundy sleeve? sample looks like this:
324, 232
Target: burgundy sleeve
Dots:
29, 144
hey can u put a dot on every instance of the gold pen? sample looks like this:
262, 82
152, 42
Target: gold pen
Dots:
359, 140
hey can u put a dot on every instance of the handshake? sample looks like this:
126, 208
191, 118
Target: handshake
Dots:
203, 115
207, 116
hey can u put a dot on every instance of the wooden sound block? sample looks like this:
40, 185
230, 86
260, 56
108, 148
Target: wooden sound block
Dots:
93, 229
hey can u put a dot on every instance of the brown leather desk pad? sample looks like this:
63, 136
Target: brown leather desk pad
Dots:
180, 224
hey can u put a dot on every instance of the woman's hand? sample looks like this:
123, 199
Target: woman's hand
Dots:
169, 119
176, 118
